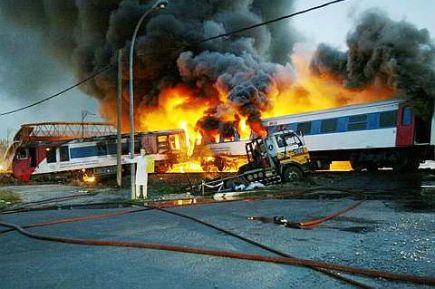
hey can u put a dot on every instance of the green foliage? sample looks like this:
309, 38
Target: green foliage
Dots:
8, 198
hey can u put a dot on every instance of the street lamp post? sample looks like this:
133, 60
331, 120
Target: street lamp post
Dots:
158, 5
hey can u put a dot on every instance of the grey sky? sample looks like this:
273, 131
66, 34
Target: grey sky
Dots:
329, 25
28, 72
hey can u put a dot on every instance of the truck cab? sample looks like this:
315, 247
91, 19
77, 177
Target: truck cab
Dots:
281, 154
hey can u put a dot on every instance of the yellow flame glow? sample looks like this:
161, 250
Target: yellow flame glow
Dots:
89, 179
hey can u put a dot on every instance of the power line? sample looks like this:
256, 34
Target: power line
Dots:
60, 92
273, 20
201, 41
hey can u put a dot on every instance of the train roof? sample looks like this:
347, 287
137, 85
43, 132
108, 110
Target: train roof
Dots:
338, 110
106, 137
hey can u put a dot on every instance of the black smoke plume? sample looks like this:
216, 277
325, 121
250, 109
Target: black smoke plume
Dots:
86, 35
384, 52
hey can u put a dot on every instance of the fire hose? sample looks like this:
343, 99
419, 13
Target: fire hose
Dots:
424, 280
306, 224
113, 214
264, 247
326, 271
79, 219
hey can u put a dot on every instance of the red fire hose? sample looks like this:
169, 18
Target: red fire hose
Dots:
424, 280
106, 215
81, 218
163, 205
315, 222
267, 248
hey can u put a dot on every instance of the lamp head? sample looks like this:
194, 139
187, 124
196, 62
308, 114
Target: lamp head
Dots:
160, 4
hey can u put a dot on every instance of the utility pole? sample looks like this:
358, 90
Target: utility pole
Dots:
119, 112
158, 5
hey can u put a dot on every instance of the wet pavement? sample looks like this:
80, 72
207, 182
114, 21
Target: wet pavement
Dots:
383, 233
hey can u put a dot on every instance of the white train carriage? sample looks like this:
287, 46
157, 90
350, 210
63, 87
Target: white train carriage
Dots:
96, 155
372, 135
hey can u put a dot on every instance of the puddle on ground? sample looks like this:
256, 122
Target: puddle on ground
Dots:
301, 240
359, 229
422, 200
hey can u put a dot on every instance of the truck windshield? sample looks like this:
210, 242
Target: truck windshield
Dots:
288, 140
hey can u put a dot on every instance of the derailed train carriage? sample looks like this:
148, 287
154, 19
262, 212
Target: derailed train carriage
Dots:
95, 155
370, 136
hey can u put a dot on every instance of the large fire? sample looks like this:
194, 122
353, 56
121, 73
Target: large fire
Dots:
311, 92
179, 107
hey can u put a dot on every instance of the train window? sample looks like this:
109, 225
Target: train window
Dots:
304, 128
162, 143
22, 154
101, 148
407, 116
64, 153
137, 146
83, 152
357, 122
174, 142
125, 149
162, 138
111, 147
51, 155
388, 119
329, 125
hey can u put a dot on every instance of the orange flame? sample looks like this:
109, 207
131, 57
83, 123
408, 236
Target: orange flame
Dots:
180, 107
89, 179
310, 92
340, 166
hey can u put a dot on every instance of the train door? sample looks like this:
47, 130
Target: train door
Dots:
33, 157
21, 165
405, 126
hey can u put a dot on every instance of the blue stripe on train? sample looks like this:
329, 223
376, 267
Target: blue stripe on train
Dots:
372, 121
83, 152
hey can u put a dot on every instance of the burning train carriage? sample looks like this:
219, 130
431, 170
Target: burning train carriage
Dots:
168, 148
372, 135
95, 156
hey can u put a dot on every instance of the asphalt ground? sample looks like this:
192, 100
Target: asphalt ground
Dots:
382, 233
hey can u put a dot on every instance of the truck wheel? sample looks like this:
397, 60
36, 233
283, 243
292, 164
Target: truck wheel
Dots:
292, 174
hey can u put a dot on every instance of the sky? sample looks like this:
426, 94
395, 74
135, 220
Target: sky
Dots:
328, 25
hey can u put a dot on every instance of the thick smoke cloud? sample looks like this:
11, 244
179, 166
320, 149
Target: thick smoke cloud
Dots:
86, 34
384, 52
